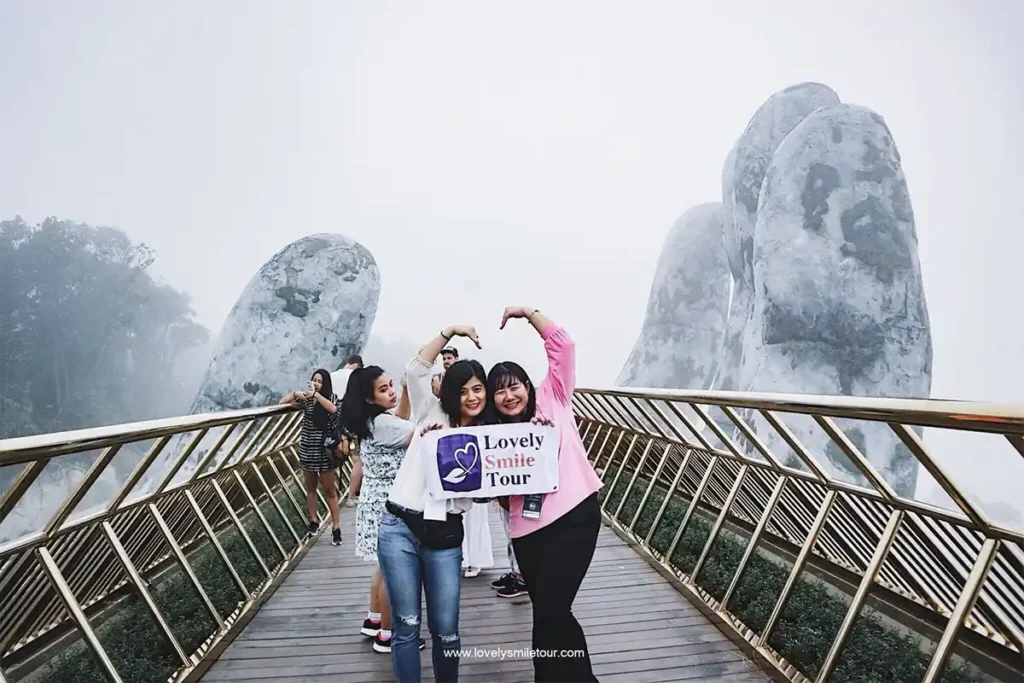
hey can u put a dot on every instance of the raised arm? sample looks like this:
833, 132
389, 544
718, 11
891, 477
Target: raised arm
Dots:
404, 409
560, 348
418, 371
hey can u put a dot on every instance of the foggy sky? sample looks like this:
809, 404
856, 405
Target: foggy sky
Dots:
510, 153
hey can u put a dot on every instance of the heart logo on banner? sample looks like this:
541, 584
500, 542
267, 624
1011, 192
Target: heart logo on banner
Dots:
467, 452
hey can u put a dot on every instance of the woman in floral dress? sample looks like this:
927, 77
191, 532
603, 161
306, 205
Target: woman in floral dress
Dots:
383, 440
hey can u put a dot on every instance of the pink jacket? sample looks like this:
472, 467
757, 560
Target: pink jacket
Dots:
576, 477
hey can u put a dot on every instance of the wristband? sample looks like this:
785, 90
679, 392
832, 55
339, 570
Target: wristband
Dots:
445, 337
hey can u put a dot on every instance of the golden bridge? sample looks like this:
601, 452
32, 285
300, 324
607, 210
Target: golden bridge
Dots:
175, 551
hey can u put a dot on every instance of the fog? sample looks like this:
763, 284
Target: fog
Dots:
490, 154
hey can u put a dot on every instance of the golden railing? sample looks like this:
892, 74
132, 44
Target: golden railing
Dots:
952, 575
93, 517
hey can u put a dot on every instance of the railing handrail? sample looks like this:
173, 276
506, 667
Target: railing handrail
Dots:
930, 412
26, 448
749, 467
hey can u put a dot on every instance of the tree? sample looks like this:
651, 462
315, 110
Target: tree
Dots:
87, 337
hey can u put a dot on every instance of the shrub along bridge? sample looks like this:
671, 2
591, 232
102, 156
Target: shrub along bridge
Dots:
140, 552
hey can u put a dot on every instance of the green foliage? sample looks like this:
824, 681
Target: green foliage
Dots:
131, 637
86, 334
811, 618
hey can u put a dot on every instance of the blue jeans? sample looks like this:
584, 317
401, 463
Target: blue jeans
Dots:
407, 565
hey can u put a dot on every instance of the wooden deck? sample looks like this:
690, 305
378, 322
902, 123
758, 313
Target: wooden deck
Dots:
639, 628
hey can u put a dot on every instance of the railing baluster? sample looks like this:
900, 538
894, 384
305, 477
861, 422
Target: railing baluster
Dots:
20, 486
668, 496
798, 567
181, 459
287, 489
748, 552
241, 529
697, 495
273, 501
81, 489
215, 542
740, 476
636, 473
611, 455
650, 486
147, 599
259, 514
137, 473
971, 589
205, 461
622, 466
68, 598
868, 580
179, 554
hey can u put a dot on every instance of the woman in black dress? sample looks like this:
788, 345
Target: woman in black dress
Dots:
320, 416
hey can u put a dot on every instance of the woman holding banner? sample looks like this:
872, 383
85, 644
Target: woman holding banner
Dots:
419, 542
555, 534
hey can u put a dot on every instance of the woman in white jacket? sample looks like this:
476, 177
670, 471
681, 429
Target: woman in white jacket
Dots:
419, 543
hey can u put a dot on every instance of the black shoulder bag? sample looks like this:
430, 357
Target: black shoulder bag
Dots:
336, 441
433, 534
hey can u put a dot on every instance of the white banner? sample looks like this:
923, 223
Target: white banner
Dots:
491, 461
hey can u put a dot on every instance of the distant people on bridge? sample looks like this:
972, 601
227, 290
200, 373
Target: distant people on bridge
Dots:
477, 553
419, 543
339, 379
384, 437
449, 355
555, 544
320, 415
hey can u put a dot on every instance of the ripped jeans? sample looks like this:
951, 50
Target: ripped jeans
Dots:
407, 565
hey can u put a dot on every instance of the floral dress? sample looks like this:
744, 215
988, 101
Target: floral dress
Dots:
381, 454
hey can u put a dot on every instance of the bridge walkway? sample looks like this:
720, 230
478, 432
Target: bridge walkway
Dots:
639, 628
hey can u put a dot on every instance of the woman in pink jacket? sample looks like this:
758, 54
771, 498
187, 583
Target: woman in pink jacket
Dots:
554, 535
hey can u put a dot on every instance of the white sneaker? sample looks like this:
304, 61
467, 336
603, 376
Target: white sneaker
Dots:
472, 572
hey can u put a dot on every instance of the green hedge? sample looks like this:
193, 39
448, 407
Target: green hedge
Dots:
133, 641
874, 653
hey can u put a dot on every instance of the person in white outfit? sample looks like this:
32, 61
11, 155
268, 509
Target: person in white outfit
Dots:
476, 544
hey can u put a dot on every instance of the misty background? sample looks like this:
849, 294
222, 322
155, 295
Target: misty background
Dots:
490, 154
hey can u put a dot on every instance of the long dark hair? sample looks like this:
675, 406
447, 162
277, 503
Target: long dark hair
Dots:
455, 377
357, 412
502, 375
321, 418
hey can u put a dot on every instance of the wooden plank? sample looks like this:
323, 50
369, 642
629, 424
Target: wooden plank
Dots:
639, 628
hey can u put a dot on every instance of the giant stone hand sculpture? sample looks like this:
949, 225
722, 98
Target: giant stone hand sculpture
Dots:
310, 306
827, 294
682, 332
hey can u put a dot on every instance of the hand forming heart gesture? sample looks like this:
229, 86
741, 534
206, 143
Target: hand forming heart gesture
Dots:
467, 331
515, 312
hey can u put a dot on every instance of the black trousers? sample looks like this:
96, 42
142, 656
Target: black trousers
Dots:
553, 561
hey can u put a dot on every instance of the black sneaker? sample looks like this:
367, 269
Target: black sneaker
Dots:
336, 537
385, 645
505, 580
311, 528
381, 645
513, 590
370, 629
